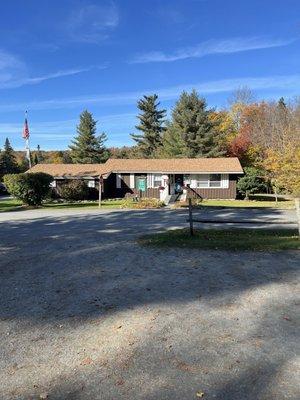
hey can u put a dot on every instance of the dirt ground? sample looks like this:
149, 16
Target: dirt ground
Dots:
86, 313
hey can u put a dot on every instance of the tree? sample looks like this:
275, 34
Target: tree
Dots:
192, 121
151, 126
284, 168
87, 148
173, 143
31, 188
242, 95
252, 182
38, 156
8, 162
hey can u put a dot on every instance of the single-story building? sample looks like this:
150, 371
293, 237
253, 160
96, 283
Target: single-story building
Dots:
211, 178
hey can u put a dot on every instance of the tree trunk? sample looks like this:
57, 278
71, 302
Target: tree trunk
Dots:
276, 195
297, 203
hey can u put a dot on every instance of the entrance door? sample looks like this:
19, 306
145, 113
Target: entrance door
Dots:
178, 183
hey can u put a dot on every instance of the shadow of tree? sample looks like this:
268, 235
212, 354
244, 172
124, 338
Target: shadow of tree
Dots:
118, 320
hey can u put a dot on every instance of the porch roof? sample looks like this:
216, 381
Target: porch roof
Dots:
71, 170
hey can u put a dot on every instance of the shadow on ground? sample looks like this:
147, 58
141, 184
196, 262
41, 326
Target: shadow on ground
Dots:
86, 313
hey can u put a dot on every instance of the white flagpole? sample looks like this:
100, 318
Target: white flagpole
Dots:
28, 152
27, 146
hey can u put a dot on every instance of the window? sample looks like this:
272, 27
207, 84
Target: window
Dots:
215, 180
202, 181
156, 180
53, 184
91, 184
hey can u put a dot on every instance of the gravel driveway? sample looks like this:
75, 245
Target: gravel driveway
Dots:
86, 313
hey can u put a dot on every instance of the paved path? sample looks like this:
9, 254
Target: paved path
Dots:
86, 313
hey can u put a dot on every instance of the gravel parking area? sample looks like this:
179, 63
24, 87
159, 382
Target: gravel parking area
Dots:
87, 313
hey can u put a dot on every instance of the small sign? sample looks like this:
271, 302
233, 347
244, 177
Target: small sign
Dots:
142, 185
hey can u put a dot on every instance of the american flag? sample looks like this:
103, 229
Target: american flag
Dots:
25, 133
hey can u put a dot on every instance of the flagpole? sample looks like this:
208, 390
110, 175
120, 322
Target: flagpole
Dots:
27, 145
28, 152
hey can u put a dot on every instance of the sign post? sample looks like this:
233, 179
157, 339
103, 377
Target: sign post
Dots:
100, 190
191, 217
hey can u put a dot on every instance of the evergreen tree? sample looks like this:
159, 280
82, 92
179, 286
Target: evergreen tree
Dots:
151, 126
173, 143
87, 148
281, 103
38, 155
8, 162
35, 159
198, 132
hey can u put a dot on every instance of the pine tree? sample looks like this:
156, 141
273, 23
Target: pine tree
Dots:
39, 157
151, 126
173, 143
8, 162
87, 148
198, 132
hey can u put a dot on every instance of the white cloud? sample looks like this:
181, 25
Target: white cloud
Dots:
92, 23
286, 83
14, 72
227, 46
66, 128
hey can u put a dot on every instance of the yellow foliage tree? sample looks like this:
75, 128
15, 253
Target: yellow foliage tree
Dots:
284, 169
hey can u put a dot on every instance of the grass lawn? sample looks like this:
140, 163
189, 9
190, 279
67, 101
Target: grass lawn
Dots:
234, 239
91, 204
13, 205
10, 205
283, 204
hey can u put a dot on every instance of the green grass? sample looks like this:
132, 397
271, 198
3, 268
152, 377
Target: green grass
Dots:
234, 239
13, 205
90, 204
283, 204
10, 205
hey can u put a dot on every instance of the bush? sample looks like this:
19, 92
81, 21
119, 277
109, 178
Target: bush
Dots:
31, 188
252, 182
142, 203
74, 190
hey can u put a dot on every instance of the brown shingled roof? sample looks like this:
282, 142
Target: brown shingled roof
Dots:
174, 165
180, 165
71, 170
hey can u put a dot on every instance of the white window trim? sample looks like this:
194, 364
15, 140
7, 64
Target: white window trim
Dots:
91, 183
118, 181
131, 181
157, 180
225, 181
53, 184
150, 180
202, 181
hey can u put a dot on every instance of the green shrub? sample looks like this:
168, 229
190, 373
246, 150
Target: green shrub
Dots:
74, 190
31, 188
142, 203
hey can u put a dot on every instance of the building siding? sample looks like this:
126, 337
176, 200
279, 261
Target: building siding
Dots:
111, 191
219, 193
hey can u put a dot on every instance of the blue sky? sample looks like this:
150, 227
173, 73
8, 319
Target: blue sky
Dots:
59, 57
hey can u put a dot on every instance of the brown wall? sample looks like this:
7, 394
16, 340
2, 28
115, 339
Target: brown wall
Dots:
110, 190
229, 193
